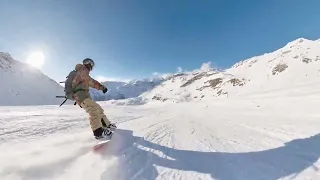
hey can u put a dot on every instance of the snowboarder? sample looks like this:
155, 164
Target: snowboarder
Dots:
77, 88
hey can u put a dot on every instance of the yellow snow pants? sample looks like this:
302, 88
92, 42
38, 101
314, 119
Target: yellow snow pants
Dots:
96, 113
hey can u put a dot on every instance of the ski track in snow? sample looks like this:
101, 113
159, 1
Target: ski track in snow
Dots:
225, 140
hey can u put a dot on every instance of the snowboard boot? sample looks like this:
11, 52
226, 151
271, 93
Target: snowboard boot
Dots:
102, 134
111, 126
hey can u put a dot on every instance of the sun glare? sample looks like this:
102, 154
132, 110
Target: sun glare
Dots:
36, 59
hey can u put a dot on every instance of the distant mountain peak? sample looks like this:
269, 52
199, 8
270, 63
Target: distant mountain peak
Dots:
124, 90
25, 85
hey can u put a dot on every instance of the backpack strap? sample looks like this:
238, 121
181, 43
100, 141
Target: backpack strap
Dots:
64, 100
75, 103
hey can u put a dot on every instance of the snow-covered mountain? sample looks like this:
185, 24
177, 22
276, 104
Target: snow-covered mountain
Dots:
22, 84
112, 91
125, 90
26, 85
295, 64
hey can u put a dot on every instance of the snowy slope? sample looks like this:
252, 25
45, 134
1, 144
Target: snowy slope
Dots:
192, 86
295, 64
123, 90
230, 139
22, 84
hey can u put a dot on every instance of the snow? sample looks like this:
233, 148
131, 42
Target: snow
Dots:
22, 84
274, 137
129, 101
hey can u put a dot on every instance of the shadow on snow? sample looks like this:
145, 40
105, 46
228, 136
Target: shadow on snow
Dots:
136, 159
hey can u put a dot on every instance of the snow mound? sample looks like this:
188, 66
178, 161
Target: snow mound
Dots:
130, 101
25, 85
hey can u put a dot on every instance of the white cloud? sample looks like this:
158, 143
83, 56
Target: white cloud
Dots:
162, 75
167, 75
155, 74
103, 78
206, 66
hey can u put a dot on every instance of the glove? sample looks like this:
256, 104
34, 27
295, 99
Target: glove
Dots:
104, 90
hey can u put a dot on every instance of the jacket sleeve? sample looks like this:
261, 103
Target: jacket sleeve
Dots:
95, 84
84, 74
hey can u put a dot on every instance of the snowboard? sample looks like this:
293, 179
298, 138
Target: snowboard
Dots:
101, 143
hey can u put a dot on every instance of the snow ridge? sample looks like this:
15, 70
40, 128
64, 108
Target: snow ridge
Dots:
123, 90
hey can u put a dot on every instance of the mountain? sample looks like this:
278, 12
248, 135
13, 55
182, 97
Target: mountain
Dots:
125, 90
112, 91
22, 84
29, 86
294, 65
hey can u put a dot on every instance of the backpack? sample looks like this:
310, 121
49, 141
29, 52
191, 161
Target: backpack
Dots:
68, 87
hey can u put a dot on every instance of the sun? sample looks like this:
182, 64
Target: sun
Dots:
36, 59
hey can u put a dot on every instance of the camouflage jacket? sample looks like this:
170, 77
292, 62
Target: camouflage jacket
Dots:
83, 81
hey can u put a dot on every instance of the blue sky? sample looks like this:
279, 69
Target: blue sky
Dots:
133, 39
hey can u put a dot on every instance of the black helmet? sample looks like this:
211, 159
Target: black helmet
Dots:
88, 63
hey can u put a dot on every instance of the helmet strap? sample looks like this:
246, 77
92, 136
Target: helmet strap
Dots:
88, 66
